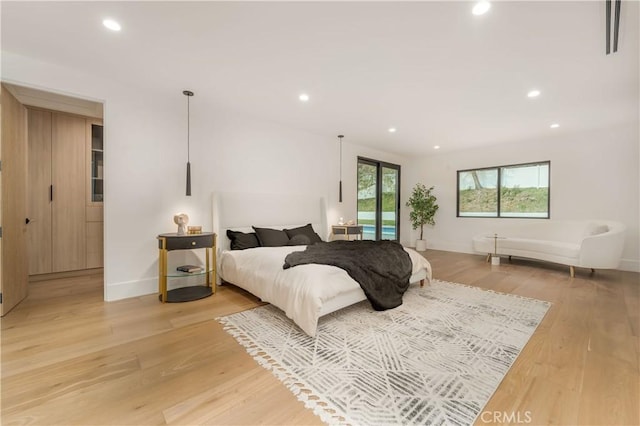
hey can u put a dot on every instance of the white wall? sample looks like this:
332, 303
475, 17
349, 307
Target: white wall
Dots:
594, 175
145, 164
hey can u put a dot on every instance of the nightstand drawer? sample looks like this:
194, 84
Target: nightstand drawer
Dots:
185, 242
347, 230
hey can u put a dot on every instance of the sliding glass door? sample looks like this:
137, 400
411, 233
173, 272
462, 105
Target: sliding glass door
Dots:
379, 199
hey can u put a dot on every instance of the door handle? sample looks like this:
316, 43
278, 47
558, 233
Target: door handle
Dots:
27, 220
50, 192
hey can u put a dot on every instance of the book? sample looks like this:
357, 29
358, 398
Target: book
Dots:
189, 268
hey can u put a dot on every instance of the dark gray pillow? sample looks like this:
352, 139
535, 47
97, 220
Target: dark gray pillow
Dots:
271, 237
307, 231
299, 240
241, 240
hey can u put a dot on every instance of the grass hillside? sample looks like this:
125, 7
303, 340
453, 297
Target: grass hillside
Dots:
512, 200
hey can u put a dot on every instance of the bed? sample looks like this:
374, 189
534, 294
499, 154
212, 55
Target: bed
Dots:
306, 292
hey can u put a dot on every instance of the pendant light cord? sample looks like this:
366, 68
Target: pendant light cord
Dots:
188, 94
340, 138
340, 158
340, 184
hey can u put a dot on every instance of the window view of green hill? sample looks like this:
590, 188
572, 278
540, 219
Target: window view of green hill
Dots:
512, 200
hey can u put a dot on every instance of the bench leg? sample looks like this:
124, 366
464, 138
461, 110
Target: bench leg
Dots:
572, 271
593, 271
422, 283
488, 257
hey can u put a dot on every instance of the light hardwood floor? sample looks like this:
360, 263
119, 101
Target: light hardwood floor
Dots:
70, 358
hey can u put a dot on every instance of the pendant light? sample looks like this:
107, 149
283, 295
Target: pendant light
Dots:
340, 188
188, 94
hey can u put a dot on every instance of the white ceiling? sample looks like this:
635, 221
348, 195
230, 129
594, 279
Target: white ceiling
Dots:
437, 73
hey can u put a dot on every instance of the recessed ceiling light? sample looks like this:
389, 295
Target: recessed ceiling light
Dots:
111, 24
481, 8
533, 93
392, 129
303, 97
436, 147
554, 126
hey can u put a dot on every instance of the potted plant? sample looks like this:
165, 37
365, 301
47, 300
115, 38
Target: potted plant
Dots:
423, 209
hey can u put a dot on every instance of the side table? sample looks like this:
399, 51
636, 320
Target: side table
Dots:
347, 230
173, 241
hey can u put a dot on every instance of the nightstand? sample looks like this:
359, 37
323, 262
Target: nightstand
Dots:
173, 241
347, 230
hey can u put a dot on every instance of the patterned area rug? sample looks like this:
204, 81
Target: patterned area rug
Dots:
436, 359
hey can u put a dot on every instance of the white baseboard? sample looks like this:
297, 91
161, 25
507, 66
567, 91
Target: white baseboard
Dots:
630, 265
124, 290
146, 286
450, 246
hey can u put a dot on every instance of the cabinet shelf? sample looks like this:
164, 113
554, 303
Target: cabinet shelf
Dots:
180, 274
187, 294
97, 163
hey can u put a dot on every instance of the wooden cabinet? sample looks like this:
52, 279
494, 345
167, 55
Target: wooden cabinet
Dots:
39, 184
59, 232
69, 245
95, 193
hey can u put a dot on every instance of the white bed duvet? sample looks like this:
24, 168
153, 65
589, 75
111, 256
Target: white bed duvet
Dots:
305, 292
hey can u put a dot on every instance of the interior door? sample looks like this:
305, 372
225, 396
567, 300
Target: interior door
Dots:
13, 150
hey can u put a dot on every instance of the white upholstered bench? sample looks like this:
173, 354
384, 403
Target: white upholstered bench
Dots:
595, 244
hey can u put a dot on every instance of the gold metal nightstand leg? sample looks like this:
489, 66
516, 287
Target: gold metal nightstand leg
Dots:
207, 267
164, 276
162, 270
214, 265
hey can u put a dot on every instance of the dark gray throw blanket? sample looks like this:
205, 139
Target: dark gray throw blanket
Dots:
382, 268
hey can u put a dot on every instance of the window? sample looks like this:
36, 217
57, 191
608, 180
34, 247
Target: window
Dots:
520, 190
378, 199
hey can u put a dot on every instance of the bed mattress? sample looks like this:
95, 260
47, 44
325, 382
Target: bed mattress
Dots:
305, 292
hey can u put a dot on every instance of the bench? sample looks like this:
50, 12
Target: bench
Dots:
594, 244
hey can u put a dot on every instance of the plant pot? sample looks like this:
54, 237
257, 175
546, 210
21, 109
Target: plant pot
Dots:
495, 260
421, 245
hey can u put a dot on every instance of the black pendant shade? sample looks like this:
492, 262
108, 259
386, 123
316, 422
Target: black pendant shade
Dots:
188, 178
616, 25
188, 94
340, 186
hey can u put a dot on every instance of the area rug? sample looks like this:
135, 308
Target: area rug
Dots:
436, 359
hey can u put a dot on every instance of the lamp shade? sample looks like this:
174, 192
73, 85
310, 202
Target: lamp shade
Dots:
188, 94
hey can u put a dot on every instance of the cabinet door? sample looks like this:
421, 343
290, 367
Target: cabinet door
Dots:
68, 206
39, 205
95, 176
